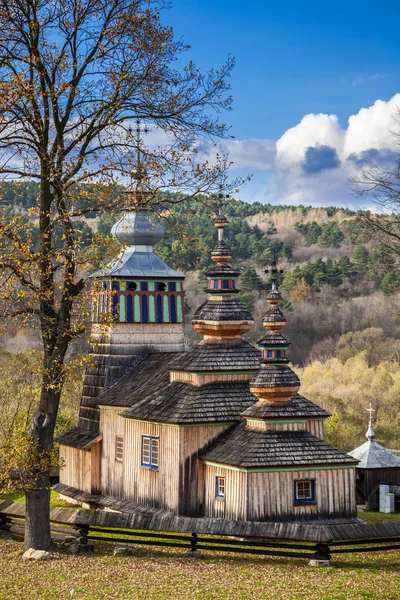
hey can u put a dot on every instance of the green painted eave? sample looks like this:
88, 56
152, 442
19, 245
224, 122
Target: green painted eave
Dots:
280, 469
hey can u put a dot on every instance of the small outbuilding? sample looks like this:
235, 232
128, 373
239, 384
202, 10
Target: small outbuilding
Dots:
377, 465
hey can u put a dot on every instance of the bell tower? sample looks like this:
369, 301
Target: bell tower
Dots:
137, 304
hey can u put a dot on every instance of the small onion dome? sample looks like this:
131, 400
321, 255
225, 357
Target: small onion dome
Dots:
138, 229
224, 270
223, 318
274, 296
221, 252
274, 340
274, 319
275, 382
220, 221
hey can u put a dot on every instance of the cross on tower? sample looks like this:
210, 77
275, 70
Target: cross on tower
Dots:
139, 130
370, 410
221, 197
274, 267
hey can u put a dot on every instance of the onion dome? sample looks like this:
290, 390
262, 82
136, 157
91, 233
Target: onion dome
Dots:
222, 316
275, 380
138, 229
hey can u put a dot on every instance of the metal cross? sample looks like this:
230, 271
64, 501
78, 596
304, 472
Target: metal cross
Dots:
221, 197
370, 410
274, 268
139, 130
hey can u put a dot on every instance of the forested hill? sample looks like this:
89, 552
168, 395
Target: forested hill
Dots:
316, 245
341, 297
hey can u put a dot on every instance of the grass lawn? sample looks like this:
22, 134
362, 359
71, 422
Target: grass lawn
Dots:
165, 574
54, 499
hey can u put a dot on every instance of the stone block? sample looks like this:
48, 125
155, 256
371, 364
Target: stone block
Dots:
316, 562
122, 551
33, 554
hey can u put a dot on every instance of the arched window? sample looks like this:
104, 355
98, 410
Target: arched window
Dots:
173, 309
129, 309
145, 310
159, 309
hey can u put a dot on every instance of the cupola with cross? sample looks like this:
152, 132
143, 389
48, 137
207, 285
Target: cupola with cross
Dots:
275, 380
138, 303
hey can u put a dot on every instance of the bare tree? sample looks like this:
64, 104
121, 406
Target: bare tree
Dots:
73, 76
381, 186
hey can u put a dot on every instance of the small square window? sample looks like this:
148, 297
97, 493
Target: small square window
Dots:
220, 487
119, 448
150, 451
304, 491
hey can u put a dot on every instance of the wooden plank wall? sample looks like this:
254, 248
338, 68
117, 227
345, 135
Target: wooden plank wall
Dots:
112, 472
77, 468
194, 440
155, 488
234, 505
270, 497
317, 427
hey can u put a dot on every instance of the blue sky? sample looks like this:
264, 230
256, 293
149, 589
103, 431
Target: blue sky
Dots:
296, 59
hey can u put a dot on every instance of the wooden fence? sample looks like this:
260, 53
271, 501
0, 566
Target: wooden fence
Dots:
82, 537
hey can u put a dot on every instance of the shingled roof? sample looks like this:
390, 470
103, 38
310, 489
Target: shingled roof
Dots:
152, 371
78, 438
228, 309
296, 407
249, 448
219, 356
184, 403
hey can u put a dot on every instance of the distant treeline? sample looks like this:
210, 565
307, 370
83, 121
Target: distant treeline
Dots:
190, 234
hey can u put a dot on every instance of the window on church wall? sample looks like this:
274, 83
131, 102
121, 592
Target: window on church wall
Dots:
161, 286
132, 286
119, 448
304, 491
150, 451
220, 487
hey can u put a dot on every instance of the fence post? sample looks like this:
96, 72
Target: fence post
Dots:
193, 552
5, 524
321, 557
82, 532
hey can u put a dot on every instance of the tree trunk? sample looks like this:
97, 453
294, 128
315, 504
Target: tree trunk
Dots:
37, 522
37, 516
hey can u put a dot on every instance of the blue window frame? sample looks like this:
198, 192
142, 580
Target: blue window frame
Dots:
278, 354
270, 354
226, 284
215, 284
220, 487
172, 286
304, 491
150, 451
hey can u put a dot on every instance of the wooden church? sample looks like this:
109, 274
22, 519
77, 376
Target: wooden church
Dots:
216, 431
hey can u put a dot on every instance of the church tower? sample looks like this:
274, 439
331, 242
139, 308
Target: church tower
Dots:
137, 311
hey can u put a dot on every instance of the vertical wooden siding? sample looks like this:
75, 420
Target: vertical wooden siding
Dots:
234, 504
77, 468
194, 440
112, 471
156, 488
270, 496
317, 428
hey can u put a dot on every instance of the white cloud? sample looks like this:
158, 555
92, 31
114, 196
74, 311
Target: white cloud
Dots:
369, 135
373, 127
313, 130
252, 154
